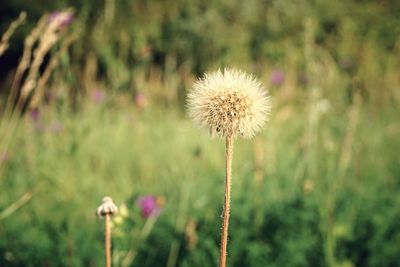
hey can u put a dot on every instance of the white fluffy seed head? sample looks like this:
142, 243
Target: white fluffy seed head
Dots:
229, 103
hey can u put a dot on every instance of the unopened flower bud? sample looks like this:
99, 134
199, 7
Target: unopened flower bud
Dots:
107, 207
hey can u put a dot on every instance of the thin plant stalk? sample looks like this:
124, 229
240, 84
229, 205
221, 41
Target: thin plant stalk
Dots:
229, 104
227, 201
107, 240
106, 210
5, 39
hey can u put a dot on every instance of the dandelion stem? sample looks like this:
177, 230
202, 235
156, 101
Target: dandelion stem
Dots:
226, 211
107, 240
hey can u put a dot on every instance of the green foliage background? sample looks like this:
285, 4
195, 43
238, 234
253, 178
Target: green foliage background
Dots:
330, 168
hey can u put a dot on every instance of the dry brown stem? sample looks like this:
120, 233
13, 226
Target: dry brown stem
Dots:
46, 41
10, 118
347, 146
39, 92
24, 63
227, 200
4, 42
107, 240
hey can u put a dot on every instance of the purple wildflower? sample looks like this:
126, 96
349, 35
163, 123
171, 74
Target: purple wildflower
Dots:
140, 100
277, 77
5, 156
34, 114
62, 18
98, 96
148, 206
56, 127
39, 126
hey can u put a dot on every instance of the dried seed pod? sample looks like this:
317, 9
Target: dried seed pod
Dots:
107, 207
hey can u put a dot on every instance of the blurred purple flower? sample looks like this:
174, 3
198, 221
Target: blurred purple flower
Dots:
277, 77
5, 156
34, 114
148, 206
39, 126
56, 127
63, 18
140, 100
97, 96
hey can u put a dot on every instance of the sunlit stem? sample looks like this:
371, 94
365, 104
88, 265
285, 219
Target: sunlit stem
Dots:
226, 211
107, 240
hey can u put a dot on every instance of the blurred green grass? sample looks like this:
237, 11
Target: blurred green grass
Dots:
318, 187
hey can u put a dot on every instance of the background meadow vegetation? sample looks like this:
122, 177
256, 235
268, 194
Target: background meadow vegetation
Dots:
98, 108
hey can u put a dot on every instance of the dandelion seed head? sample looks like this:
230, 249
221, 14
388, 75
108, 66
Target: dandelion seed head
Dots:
229, 103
